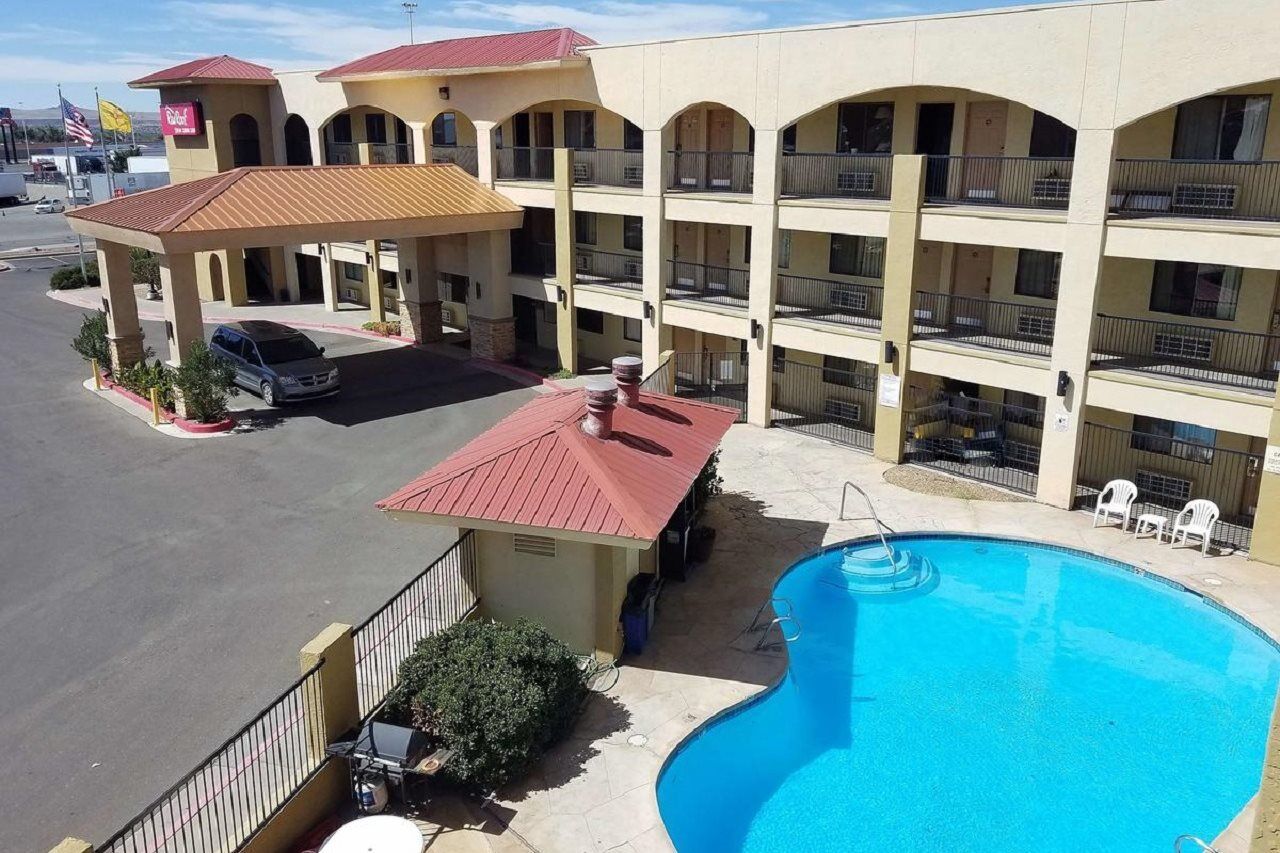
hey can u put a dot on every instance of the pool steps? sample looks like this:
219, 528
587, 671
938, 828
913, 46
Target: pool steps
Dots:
872, 572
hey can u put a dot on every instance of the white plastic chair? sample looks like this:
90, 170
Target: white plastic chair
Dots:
1200, 516
1122, 494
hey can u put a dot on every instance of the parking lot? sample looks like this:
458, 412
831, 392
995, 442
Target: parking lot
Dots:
153, 590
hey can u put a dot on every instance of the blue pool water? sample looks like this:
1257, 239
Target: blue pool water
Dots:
1023, 698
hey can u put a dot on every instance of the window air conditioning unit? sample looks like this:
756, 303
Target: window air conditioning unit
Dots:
978, 194
688, 181
446, 316
633, 269
842, 411
633, 176
1163, 485
718, 286
924, 314
1035, 326
856, 183
968, 322
1204, 196
350, 293
581, 172
391, 305
1051, 190
1181, 346
582, 262
721, 183
850, 300
440, 160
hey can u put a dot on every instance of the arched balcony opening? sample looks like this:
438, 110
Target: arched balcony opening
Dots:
452, 137
607, 148
297, 141
366, 134
1211, 157
246, 149
709, 148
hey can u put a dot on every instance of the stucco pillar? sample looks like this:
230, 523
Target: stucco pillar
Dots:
485, 141
1082, 254
315, 130
328, 277
235, 290
763, 275
184, 323
493, 333
656, 250
419, 300
420, 140
280, 274
566, 271
905, 198
292, 286
1265, 546
373, 281
119, 301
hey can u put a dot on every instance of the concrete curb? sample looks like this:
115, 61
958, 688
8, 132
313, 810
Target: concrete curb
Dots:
127, 401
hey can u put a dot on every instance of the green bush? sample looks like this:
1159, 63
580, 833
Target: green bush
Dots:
388, 327
145, 375
144, 268
70, 278
562, 373
708, 484
206, 383
497, 694
91, 340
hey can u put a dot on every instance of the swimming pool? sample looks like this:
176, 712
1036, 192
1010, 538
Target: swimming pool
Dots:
1009, 696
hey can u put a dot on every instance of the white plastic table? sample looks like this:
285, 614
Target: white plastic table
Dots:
1150, 521
376, 834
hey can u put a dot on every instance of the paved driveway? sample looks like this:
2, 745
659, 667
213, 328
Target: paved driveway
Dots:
154, 591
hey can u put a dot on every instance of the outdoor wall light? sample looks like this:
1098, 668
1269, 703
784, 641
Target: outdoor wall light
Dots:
168, 329
408, 275
320, 249
1064, 381
477, 290
890, 352
562, 295
756, 329
444, 93
106, 306
648, 310
368, 259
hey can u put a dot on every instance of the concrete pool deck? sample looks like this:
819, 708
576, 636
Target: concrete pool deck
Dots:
595, 792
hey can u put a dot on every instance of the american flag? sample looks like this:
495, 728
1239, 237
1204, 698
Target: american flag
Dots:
76, 124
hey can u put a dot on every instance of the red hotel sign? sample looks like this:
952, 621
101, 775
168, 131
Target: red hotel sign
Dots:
181, 119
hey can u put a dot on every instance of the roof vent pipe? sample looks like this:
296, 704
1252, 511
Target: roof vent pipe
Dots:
602, 396
626, 371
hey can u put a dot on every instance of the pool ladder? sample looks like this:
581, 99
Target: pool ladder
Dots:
766, 628
1192, 840
881, 527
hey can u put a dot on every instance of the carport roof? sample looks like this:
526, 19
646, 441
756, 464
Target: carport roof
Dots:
473, 54
537, 469
290, 205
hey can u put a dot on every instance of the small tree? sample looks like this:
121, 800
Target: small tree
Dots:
120, 158
206, 382
497, 694
144, 268
91, 341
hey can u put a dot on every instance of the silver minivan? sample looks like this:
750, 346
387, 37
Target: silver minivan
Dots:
275, 361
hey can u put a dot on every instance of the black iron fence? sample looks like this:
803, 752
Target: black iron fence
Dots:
705, 283
709, 171
1168, 473
390, 152
341, 153
977, 439
837, 405
828, 301
609, 167
611, 269
240, 786
1206, 189
837, 175
999, 181
1184, 351
713, 377
1011, 326
442, 595
525, 164
464, 156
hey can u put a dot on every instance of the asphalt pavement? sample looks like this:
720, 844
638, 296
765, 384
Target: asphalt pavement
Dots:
154, 591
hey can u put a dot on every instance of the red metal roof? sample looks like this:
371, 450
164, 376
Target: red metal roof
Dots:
507, 49
537, 468
210, 69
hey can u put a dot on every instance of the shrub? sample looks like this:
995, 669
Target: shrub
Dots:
143, 267
562, 373
206, 383
388, 327
91, 340
708, 484
497, 694
70, 278
145, 375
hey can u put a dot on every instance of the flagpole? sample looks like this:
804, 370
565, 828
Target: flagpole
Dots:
66, 147
106, 157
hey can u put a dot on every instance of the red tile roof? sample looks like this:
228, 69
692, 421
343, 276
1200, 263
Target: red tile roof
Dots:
507, 49
537, 468
210, 69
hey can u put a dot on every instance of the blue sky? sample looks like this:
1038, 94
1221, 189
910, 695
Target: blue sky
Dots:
108, 42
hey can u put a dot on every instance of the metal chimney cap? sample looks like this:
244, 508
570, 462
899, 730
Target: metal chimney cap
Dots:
628, 361
600, 385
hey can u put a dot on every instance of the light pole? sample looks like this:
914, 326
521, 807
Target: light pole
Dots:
409, 10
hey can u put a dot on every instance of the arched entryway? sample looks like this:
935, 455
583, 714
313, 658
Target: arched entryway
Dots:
246, 148
217, 286
297, 142
365, 134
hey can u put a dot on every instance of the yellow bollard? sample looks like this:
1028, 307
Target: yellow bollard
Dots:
97, 375
155, 406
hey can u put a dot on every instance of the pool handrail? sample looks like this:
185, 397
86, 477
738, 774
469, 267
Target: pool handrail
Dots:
1177, 844
880, 525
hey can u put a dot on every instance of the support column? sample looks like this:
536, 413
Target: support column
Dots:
763, 276
1082, 253
120, 303
235, 290
373, 281
182, 316
292, 286
419, 302
1265, 546
485, 131
328, 277
420, 139
656, 337
905, 199
489, 311
280, 276
566, 271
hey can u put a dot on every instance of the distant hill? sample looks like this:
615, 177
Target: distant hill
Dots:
53, 115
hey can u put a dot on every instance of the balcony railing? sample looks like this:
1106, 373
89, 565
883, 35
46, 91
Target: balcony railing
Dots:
1202, 189
834, 404
837, 175
1010, 326
463, 155
1188, 352
390, 152
610, 269
716, 285
979, 439
538, 260
525, 164
829, 301
608, 167
999, 181
341, 153
709, 171
1168, 473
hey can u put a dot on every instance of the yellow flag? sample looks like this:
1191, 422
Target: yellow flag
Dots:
114, 118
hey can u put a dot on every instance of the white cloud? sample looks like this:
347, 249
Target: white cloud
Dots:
615, 21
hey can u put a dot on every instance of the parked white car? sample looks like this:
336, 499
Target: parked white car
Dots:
50, 205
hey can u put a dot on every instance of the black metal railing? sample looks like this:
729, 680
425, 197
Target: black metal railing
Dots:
230, 795
713, 377
833, 404
525, 164
465, 156
341, 153
1203, 189
1010, 326
999, 181
977, 439
1188, 352
1168, 473
828, 301
443, 594
539, 260
611, 269
709, 171
837, 175
608, 167
390, 152
718, 285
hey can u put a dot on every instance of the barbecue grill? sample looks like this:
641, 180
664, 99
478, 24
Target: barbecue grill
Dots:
400, 756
